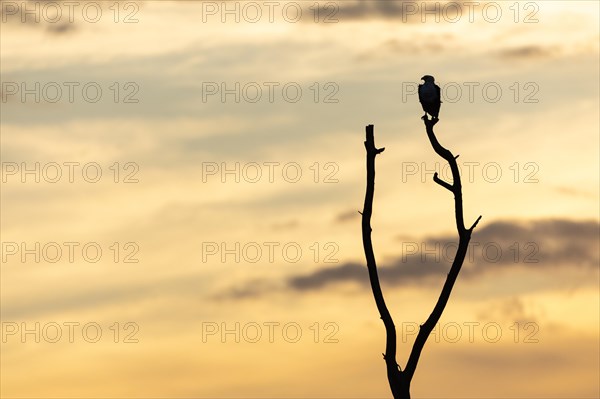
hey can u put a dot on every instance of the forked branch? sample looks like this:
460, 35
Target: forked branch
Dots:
400, 380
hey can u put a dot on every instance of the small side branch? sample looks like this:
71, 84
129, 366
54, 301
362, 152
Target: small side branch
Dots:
442, 183
475, 223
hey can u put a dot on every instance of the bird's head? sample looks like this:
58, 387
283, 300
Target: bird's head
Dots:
428, 78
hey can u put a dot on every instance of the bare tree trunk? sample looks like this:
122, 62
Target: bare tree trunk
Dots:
400, 380
398, 384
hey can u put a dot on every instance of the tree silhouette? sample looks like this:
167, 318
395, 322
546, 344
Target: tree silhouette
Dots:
399, 379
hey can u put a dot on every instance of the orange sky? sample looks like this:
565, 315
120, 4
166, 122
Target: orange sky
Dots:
214, 221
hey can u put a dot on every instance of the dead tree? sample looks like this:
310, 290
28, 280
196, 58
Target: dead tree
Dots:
399, 379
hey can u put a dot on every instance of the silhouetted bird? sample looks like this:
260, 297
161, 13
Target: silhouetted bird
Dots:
429, 96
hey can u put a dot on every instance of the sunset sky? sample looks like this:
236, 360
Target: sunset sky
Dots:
200, 167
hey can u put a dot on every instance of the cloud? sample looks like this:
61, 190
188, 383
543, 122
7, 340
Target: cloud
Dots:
408, 11
527, 52
556, 242
48, 15
324, 277
287, 225
347, 216
576, 192
61, 28
400, 271
409, 46
532, 245
252, 289
512, 309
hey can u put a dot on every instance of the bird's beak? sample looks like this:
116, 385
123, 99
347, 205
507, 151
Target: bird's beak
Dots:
423, 78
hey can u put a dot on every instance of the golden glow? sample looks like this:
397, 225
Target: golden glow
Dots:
546, 151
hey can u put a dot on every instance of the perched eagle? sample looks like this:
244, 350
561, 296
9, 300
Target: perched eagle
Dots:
429, 96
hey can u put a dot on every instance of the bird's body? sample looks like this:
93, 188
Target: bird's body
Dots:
430, 96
